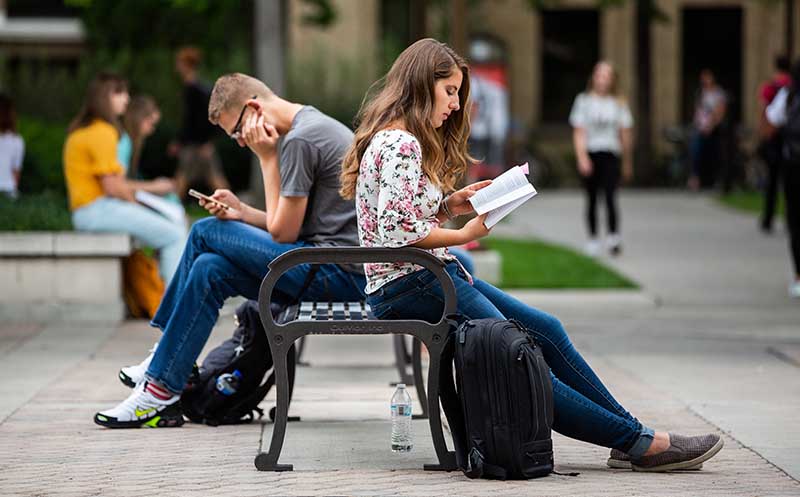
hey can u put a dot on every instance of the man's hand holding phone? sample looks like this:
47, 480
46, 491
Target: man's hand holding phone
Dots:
222, 203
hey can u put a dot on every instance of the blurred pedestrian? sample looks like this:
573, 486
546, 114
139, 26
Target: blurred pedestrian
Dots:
770, 147
705, 150
603, 137
784, 113
12, 149
197, 157
100, 197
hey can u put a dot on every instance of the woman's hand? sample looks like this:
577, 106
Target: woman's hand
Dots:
627, 171
162, 186
236, 211
585, 166
458, 203
474, 229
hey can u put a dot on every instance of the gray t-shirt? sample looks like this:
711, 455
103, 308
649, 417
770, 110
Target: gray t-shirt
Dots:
311, 156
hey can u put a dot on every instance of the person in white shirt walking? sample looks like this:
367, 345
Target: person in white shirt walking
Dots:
602, 135
12, 149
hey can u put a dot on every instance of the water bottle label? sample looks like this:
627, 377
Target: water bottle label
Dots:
402, 410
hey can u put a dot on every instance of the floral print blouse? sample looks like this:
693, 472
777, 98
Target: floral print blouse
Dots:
396, 205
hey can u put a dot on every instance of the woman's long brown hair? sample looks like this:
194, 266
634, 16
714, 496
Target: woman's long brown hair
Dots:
140, 108
407, 94
97, 103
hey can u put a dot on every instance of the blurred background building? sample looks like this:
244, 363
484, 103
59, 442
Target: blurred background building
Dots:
539, 52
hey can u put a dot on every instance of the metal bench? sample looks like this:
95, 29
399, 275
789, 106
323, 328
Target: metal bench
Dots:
326, 320
357, 311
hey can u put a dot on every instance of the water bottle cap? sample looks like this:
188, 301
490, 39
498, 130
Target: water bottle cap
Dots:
401, 385
237, 373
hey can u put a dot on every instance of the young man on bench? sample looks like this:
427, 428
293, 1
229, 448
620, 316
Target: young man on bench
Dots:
227, 255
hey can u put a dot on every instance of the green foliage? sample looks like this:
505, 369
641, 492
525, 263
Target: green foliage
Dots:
536, 264
749, 201
39, 212
42, 169
324, 14
332, 83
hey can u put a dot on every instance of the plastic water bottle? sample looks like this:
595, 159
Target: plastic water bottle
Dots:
228, 383
402, 436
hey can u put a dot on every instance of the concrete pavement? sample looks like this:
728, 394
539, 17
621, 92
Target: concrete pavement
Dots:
706, 345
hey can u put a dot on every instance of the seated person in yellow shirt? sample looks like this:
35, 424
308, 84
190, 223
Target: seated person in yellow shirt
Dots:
100, 197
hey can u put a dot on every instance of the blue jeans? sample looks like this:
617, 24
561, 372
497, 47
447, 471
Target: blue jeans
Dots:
584, 408
223, 259
114, 215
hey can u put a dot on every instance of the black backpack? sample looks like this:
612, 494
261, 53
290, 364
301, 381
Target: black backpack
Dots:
502, 412
247, 351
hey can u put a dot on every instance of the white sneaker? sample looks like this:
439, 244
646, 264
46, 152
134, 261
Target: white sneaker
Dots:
614, 243
142, 408
794, 289
130, 376
592, 248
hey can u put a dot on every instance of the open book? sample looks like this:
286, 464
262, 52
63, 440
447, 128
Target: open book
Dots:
507, 192
172, 211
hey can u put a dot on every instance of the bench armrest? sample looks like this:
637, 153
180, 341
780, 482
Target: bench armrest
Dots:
355, 255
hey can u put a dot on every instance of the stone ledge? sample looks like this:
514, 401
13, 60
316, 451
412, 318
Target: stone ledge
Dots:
64, 244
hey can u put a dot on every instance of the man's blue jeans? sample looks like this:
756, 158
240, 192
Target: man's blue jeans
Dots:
584, 408
223, 259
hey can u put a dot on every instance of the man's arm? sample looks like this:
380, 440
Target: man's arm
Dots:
284, 214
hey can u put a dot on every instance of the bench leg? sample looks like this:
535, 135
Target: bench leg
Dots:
268, 461
447, 459
419, 381
401, 360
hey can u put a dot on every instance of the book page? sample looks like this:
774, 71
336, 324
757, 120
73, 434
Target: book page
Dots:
172, 211
496, 215
506, 188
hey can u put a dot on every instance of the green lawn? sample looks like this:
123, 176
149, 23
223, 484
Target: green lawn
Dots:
536, 264
748, 201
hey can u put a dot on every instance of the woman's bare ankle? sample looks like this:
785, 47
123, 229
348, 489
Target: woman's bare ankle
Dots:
660, 443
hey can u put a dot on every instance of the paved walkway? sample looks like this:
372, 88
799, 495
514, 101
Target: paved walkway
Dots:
710, 343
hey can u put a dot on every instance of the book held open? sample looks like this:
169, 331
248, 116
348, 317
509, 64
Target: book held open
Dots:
507, 192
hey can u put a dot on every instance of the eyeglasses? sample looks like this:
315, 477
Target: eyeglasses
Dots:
236, 133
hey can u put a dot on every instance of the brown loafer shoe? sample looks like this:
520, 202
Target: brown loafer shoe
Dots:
621, 460
683, 453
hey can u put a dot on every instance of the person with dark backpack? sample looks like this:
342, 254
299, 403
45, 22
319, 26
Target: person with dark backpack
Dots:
784, 113
300, 151
410, 148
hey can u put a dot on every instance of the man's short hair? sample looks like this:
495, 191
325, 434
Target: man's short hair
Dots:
190, 56
231, 91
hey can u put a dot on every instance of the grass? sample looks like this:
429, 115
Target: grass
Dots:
35, 212
537, 264
748, 201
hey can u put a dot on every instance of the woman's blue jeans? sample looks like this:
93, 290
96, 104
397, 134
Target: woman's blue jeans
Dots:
224, 259
584, 408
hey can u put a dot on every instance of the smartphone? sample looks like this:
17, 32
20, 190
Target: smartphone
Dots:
198, 195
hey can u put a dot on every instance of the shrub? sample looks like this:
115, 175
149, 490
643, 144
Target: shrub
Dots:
45, 211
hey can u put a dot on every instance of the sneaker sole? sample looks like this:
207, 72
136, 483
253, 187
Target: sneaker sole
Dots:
126, 380
161, 420
617, 464
683, 464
